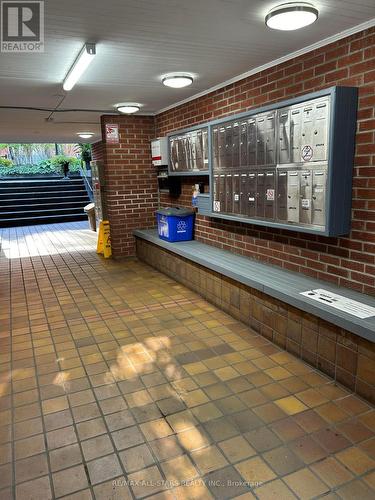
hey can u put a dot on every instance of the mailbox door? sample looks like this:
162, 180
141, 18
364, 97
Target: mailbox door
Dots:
229, 193
199, 150
282, 190
205, 148
318, 197
243, 144
251, 143
295, 134
284, 136
252, 194
223, 194
307, 142
236, 145
320, 137
244, 194
305, 196
228, 145
215, 148
236, 181
270, 147
216, 195
222, 150
261, 140
270, 193
293, 196
261, 194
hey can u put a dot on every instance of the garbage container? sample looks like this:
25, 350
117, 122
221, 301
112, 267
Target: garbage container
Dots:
90, 210
175, 224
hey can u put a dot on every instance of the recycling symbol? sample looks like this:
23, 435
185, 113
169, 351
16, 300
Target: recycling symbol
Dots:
181, 226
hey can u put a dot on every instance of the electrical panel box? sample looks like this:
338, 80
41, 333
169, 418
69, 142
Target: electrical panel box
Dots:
159, 151
188, 152
288, 165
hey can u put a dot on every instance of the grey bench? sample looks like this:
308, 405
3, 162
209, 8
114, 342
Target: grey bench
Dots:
273, 281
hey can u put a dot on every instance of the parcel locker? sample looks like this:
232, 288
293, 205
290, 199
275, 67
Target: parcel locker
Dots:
243, 144
281, 199
244, 194
293, 196
269, 188
236, 189
222, 150
215, 148
251, 143
228, 193
199, 151
295, 134
222, 193
205, 148
236, 145
318, 198
270, 139
260, 140
305, 197
228, 146
261, 194
320, 131
284, 136
252, 195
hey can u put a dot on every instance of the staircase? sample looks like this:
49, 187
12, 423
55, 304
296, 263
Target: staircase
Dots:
43, 200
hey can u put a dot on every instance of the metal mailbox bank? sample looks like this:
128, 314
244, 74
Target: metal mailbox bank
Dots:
286, 165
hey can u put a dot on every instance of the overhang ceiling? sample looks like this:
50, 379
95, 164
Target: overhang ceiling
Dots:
139, 40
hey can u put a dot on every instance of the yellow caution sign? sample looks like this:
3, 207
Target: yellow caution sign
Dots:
104, 240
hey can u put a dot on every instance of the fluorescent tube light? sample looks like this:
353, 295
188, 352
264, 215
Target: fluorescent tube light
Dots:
83, 60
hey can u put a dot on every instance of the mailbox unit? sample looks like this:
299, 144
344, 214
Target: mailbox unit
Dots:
287, 165
188, 152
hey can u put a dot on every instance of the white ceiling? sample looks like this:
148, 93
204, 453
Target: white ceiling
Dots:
138, 41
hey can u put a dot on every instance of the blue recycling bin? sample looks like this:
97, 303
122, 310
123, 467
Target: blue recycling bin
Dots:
175, 224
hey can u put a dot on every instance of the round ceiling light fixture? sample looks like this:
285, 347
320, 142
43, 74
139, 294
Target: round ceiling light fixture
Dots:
177, 81
85, 135
291, 16
128, 108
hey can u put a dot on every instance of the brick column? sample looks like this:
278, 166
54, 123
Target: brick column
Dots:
131, 183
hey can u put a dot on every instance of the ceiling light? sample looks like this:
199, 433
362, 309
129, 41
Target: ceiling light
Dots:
84, 58
129, 108
85, 135
291, 16
177, 81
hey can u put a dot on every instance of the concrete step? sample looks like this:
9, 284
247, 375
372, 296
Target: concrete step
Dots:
50, 219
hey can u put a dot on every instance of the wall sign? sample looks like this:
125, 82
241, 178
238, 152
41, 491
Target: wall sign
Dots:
111, 133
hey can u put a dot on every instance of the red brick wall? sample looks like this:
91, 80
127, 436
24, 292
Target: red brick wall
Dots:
131, 187
348, 261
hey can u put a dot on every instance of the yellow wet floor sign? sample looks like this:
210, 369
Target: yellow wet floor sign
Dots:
104, 240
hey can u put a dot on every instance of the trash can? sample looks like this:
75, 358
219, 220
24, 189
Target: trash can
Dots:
175, 224
90, 211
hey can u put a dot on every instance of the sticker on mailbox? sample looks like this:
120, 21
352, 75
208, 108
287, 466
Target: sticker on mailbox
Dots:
270, 194
305, 203
236, 197
307, 153
216, 206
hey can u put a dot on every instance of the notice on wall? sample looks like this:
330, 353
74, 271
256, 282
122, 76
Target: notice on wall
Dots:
111, 133
341, 303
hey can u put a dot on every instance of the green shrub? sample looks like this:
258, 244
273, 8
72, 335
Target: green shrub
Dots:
51, 166
4, 162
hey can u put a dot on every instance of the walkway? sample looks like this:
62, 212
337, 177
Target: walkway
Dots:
117, 382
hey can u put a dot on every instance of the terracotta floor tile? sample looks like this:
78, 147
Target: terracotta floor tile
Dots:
236, 449
96, 447
226, 483
282, 460
305, 484
209, 459
356, 460
31, 468
126, 438
193, 439
291, 405
69, 480
179, 469
331, 440
355, 489
146, 482
255, 470
116, 489
276, 490
37, 488
63, 458
165, 448
332, 472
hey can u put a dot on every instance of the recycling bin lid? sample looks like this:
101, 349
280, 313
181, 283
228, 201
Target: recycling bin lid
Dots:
176, 211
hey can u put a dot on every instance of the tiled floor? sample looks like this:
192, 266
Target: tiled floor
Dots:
116, 382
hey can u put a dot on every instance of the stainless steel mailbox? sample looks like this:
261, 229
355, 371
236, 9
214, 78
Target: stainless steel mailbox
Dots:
244, 194
293, 196
252, 195
284, 136
295, 135
222, 148
270, 139
236, 190
318, 197
261, 140
228, 193
215, 148
251, 142
282, 195
305, 196
236, 145
270, 195
222, 194
228, 146
243, 144
261, 194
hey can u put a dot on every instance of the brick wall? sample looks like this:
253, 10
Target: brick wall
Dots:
348, 261
131, 187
